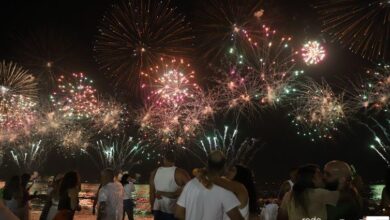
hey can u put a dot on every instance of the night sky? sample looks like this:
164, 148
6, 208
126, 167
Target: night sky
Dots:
75, 23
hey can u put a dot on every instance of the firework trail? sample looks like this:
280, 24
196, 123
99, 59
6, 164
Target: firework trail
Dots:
28, 155
14, 80
116, 153
361, 26
227, 141
135, 34
381, 139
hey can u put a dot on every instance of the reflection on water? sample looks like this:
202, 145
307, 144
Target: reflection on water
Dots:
376, 191
87, 194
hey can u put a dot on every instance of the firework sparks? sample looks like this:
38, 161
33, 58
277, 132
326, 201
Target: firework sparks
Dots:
313, 52
17, 115
116, 153
14, 80
222, 23
28, 156
227, 141
76, 97
135, 34
175, 85
375, 94
112, 116
362, 26
18, 92
74, 138
261, 76
319, 111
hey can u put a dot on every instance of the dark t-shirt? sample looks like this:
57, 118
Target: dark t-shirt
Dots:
348, 207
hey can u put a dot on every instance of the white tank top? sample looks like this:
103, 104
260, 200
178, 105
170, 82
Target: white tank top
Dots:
245, 211
164, 180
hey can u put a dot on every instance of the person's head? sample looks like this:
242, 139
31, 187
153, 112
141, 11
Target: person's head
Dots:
244, 175
216, 162
25, 178
308, 177
125, 179
107, 176
71, 180
337, 174
169, 158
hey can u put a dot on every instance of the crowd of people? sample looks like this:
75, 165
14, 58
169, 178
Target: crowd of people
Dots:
215, 192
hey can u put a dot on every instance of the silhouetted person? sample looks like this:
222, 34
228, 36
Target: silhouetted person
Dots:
68, 196
13, 198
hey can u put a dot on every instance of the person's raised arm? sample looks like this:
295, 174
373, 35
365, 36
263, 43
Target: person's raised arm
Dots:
234, 214
152, 189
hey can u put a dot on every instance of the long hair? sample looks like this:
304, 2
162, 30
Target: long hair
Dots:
12, 187
245, 176
124, 180
303, 182
70, 180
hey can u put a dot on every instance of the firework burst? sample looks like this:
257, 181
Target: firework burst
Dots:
319, 111
116, 152
135, 34
260, 76
76, 97
362, 26
374, 94
313, 53
176, 107
14, 80
18, 92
